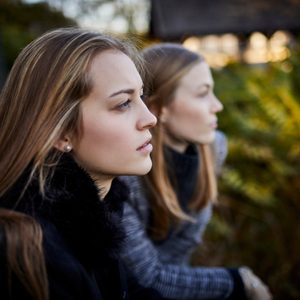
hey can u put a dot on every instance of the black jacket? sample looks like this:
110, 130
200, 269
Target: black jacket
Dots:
82, 237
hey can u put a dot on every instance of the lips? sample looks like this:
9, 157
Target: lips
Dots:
144, 145
214, 124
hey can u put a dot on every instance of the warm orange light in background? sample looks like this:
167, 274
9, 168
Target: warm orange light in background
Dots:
221, 50
257, 49
278, 46
217, 50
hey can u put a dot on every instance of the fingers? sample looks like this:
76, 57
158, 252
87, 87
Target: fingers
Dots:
255, 288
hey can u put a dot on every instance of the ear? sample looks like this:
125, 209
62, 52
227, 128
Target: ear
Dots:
63, 144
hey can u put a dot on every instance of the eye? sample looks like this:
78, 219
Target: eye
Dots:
143, 97
203, 93
124, 105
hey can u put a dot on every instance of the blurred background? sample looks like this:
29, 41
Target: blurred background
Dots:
253, 49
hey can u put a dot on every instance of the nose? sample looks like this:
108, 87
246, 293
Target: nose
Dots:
217, 106
146, 119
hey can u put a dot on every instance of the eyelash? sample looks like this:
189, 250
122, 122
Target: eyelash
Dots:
204, 94
124, 105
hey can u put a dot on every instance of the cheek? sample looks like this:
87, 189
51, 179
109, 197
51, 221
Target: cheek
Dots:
93, 132
102, 146
103, 136
189, 114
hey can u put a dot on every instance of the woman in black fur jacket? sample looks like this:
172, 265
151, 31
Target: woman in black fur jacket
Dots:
72, 119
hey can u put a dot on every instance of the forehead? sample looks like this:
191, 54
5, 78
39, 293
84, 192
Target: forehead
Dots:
111, 70
197, 76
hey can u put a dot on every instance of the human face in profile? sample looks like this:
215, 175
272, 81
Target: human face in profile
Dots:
192, 115
115, 121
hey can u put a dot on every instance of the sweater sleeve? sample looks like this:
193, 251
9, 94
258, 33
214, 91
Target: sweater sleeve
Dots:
172, 281
184, 239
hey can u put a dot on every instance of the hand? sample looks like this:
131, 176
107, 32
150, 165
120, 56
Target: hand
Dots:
254, 287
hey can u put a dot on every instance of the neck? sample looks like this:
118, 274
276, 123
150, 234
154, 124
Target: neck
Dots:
103, 183
175, 144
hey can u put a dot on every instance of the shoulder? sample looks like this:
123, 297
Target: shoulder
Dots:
220, 150
57, 252
135, 188
136, 203
67, 274
61, 260
60, 263
130, 181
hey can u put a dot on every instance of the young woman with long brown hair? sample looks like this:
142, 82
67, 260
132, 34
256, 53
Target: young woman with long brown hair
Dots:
170, 207
71, 119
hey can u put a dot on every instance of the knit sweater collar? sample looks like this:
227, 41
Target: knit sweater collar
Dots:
183, 172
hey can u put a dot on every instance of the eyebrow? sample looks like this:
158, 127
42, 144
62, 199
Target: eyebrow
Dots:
124, 91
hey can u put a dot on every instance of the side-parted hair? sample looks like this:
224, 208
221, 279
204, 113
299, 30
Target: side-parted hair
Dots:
166, 64
21, 241
40, 100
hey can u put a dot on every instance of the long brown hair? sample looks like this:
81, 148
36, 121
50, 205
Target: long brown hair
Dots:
166, 64
39, 103
40, 99
21, 238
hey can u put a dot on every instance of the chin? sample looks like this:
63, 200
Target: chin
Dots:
206, 140
146, 169
142, 169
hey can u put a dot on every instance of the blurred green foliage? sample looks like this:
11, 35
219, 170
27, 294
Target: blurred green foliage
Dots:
21, 22
257, 220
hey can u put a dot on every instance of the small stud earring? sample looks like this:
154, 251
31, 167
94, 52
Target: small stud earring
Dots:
67, 148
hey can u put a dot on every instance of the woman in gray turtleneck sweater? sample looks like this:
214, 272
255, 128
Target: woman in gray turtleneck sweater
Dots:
168, 209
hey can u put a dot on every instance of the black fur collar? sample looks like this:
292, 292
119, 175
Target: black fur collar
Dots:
91, 227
